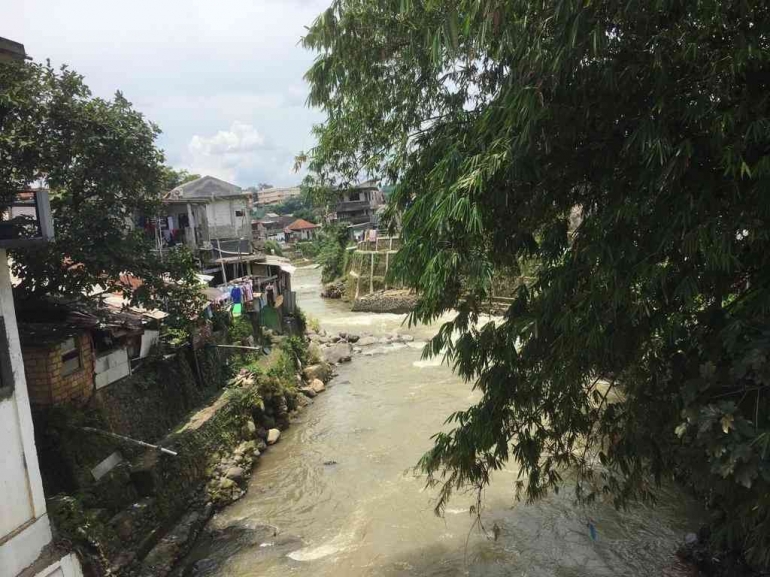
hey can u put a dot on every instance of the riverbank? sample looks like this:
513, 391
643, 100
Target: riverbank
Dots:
338, 496
136, 473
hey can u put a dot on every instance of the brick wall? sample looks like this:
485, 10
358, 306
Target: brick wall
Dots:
46, 383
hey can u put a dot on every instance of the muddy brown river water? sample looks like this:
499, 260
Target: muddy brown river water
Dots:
337, 497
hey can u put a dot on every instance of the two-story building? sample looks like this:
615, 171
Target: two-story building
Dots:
212, 218
357, 206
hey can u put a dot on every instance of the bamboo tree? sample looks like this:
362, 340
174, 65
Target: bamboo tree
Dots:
621, 151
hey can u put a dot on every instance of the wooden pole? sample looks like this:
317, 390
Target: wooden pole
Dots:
245, 348
129, 440
222, 262
371, 275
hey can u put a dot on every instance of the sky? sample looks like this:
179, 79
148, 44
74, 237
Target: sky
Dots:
223, 79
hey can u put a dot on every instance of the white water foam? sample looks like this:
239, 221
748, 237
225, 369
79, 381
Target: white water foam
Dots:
313, 553
342, 542
455, 511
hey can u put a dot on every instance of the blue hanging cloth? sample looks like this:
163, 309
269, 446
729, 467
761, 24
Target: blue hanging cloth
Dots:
236, 294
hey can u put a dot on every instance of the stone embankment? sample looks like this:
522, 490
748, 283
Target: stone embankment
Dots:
145, 514
399, 301
269, 410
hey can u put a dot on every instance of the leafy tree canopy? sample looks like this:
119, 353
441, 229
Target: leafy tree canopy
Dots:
99, 160
174, 177
625, 148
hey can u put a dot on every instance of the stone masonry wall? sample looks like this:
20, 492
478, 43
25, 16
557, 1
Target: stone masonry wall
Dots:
149, 403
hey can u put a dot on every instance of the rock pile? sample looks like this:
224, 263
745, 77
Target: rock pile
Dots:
339, 348
398, 301
334, 290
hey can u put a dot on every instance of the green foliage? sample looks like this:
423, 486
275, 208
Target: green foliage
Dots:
88, 535
99, 160
220, 319
177, 337
240, 330
299, 207
308, 322
272, 247
332, 254
619, 152
308, 248
174, 178
295, 348
283, 369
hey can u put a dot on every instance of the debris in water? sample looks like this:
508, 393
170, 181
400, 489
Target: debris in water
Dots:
592, 530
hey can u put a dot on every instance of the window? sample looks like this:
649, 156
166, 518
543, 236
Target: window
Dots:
238, 213
70, 356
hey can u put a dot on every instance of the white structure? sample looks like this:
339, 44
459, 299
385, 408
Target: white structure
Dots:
25, 530
270, 196
206, 209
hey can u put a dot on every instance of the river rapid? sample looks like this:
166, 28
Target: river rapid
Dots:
337, 496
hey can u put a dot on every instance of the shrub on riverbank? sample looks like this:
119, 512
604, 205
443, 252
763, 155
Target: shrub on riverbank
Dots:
332, 255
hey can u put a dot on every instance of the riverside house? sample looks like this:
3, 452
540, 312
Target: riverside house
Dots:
357, 207
70, 350
301, 229
212, 218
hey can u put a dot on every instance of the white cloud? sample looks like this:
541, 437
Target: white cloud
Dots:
240, 138
202, 71
240, 155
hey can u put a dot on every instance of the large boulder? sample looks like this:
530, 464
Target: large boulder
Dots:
339, 353
272, 436
367, 341
353, 338
314, 353
235, 474
322, 371
309, 391
249, 429
304, 401
318, 385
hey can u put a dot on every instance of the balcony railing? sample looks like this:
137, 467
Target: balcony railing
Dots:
352, 205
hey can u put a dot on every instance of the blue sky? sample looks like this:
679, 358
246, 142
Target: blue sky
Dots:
222, 79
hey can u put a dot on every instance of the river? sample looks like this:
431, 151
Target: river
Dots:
337, 497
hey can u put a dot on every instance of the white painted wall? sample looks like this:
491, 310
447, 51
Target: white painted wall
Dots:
223, 222
111, 367
24, 524
149, 340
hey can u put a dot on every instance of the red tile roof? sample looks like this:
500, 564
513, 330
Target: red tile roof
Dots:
301, 224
